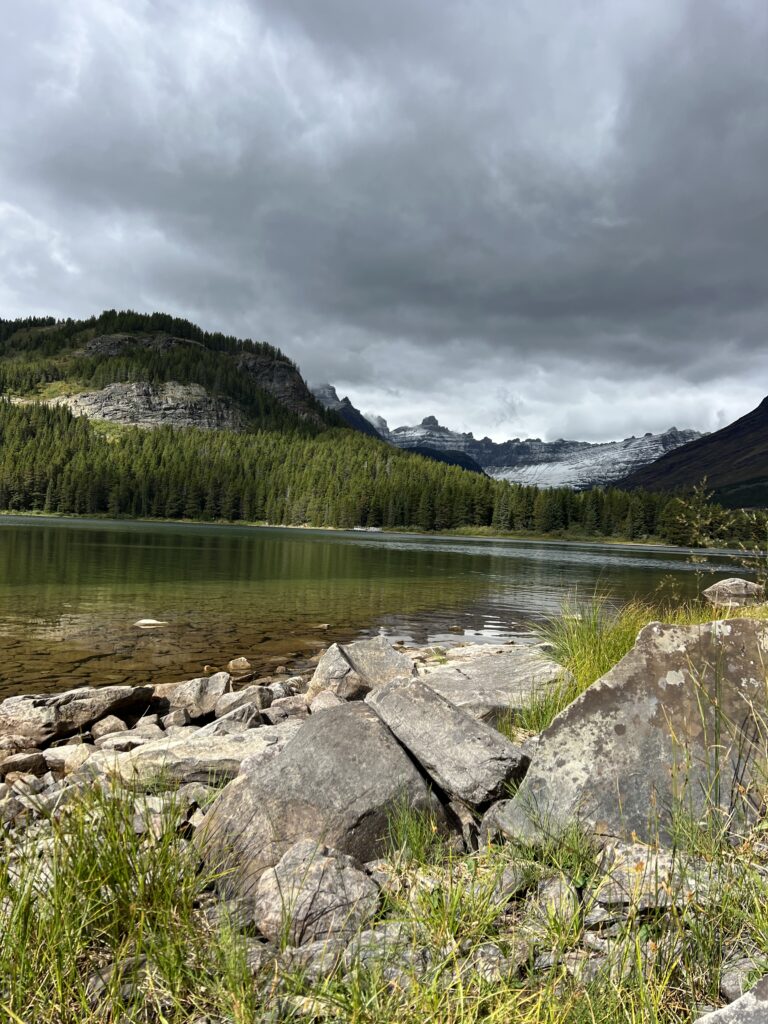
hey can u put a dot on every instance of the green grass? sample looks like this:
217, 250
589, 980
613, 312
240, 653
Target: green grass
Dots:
85, 891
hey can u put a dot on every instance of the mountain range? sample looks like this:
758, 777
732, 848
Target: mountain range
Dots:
733, 461
561, 463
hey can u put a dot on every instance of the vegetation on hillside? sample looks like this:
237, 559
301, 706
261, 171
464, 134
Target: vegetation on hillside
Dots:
51, 461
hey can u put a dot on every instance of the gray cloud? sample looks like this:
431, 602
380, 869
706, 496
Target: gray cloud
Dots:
527, 218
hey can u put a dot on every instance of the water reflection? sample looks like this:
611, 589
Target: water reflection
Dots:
72, 589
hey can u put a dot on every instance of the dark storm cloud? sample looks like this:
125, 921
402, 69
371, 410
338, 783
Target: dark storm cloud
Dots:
528, 218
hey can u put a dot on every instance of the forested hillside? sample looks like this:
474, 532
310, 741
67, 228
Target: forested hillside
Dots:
45, 359
52, 461
288, 460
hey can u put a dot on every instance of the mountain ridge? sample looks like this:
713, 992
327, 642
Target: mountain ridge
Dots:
561, 463
732, 460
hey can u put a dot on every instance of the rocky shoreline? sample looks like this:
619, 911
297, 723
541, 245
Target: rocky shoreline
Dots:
287, 788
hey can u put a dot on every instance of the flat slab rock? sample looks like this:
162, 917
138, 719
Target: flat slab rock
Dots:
466, 758
488, 681
646, 738
751, 1008
199, 757
46, 717
335, 783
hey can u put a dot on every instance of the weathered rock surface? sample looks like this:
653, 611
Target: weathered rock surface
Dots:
488, 681
141, 404
107, 726
675, 723
734, 593
199, 697
466, 758
196, 758
48, 716
335, 783
256, 696
67, 759
751, 1008
352, 670
314, 892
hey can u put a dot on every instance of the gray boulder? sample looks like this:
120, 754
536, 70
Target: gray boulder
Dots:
488, 681
191, 758
107, 726
734, 593
314, 892
286, 707
46, 717
751, 1008
676, 725
198, 697
336, 782
466, 758
258, 697
352, 670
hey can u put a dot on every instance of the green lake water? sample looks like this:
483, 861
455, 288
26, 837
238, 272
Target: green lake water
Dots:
71, 591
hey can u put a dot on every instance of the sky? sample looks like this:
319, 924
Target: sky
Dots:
537, 218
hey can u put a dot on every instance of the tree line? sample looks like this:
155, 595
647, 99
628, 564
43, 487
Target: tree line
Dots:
51, 461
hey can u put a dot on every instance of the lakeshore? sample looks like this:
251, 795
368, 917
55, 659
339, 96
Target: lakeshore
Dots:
73, 588
204, 839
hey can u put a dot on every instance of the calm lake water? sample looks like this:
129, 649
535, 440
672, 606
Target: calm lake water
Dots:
71, 591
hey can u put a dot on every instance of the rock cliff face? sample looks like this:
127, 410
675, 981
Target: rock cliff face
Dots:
155, 405
560, 463
327, 396
271, 373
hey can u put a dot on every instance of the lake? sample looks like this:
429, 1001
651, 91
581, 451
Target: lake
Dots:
72, 589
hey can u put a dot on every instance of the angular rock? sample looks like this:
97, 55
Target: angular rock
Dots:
31, 762
122, 741
352, 670
106, 726
286, 707
336, 783
466, 758
734, 593
238, 720
489, 681
49, 716
258, 697
325, 699
67, 759
638, 877
198, 697
194, 758
676, 725
751, 1008
314, 892
313, 960
176, 719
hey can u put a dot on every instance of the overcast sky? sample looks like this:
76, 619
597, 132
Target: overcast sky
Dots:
527, 217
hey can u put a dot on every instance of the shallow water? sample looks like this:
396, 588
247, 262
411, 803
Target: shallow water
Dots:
71, 591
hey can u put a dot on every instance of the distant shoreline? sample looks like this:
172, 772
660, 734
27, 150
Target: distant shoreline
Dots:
467, 533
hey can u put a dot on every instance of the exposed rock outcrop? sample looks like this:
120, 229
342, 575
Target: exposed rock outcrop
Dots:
140, 404
678, 724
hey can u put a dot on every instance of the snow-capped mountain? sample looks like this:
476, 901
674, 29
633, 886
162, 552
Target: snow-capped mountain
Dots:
558, 463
